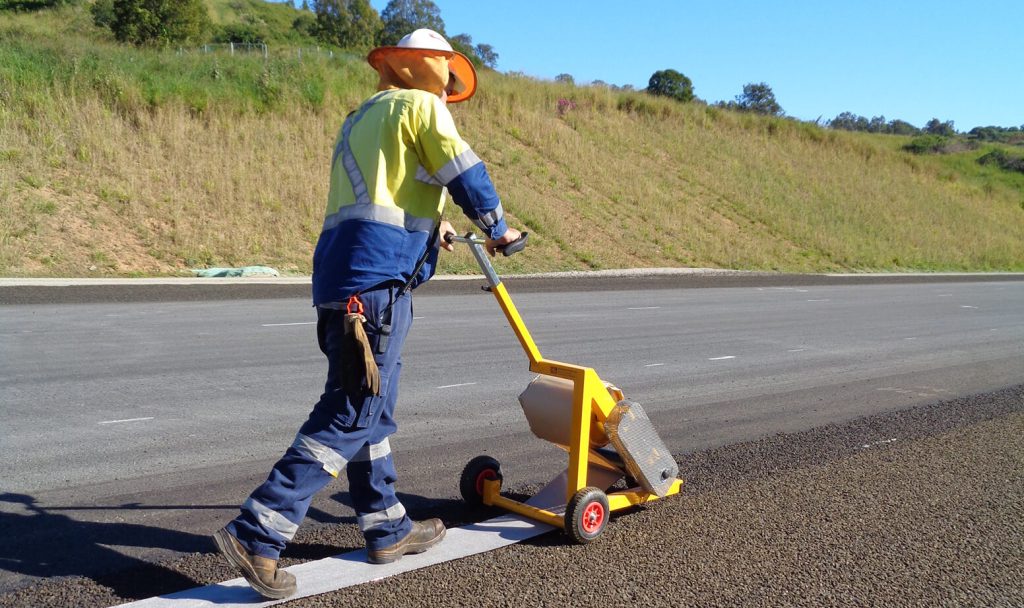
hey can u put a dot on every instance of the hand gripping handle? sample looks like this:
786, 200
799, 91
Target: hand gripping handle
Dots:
515, 246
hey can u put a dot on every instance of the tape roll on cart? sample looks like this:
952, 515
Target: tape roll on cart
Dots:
547, 403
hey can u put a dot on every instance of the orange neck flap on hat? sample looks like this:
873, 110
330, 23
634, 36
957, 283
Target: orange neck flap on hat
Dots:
413, 70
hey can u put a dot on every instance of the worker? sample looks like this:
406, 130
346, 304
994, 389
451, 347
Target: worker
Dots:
394, 159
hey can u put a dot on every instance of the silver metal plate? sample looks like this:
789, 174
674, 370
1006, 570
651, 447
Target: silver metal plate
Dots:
642, 450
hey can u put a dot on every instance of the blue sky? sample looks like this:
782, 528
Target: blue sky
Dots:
908, 59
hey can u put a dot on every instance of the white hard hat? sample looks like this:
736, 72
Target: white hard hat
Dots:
460, 67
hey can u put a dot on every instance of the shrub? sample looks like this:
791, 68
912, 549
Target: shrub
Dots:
239, 33
1003, 160
31, 5
103, 13
927, 144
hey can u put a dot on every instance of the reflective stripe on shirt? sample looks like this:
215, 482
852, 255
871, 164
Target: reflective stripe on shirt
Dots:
378, 213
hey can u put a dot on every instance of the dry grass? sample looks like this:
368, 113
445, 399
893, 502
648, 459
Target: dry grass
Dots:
153, 183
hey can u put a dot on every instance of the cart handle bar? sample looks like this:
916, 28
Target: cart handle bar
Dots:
514, 247
476, 246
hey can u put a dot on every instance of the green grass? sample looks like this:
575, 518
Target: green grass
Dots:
151, 161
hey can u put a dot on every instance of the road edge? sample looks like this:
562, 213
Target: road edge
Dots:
14, 291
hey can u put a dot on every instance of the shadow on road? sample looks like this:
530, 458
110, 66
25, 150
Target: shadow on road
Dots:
44, 542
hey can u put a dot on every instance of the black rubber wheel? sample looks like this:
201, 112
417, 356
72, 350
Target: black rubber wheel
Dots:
471, 483
586, 515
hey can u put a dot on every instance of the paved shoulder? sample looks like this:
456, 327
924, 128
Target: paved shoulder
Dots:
76, 291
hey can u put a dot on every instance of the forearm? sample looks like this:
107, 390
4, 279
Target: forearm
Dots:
473, 191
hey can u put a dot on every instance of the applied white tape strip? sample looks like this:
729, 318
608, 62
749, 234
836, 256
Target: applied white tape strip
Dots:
349, 569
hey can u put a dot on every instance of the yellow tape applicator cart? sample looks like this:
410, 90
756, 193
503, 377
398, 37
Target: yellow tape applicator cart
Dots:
570, 406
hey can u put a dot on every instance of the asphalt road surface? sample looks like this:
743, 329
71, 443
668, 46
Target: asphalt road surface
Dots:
132, 430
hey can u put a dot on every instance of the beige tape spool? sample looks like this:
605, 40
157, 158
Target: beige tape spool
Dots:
547, 403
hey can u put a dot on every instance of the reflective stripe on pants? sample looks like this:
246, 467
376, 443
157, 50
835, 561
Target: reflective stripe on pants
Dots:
341, 429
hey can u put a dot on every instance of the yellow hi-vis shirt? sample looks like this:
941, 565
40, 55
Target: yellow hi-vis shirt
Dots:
392, 161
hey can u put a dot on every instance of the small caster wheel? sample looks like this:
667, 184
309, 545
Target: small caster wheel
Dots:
586, 515
471, 483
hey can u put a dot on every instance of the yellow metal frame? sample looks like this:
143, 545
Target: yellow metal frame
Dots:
592, 403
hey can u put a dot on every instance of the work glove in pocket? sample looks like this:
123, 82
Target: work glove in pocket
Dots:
360, 369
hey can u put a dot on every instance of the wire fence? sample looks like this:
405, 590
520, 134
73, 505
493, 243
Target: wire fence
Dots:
231, 48
261, 49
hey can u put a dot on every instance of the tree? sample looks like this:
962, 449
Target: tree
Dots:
670, 83
902, 127
350, 24
488, 56
402, 17
463, 43
759, 98
565, 79
306, 24
480, 54
937, 127
847, 121
159, 22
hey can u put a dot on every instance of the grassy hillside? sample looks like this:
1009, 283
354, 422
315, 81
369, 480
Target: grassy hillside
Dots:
117, 161
273, 20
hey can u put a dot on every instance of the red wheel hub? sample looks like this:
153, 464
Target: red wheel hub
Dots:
593, 517
485, 474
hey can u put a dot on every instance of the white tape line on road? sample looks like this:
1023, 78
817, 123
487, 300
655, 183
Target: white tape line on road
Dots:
125, 420
349, 569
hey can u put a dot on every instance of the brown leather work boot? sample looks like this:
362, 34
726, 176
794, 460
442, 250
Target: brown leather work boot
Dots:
261, 572
424, 535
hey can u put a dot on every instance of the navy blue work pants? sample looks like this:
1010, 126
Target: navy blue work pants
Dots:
343, 433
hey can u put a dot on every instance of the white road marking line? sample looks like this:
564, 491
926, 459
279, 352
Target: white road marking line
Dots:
454, 385
286, 324
348, 569
653, 364
796, 350
882, 442
125, 420
911, 338
644, 308
944, 295
966, 306
722, 358
824, 300
414, 318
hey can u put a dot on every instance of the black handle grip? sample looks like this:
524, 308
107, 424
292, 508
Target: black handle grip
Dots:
447, 236
515, 246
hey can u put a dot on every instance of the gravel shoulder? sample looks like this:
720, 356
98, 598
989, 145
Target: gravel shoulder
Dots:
913, 508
